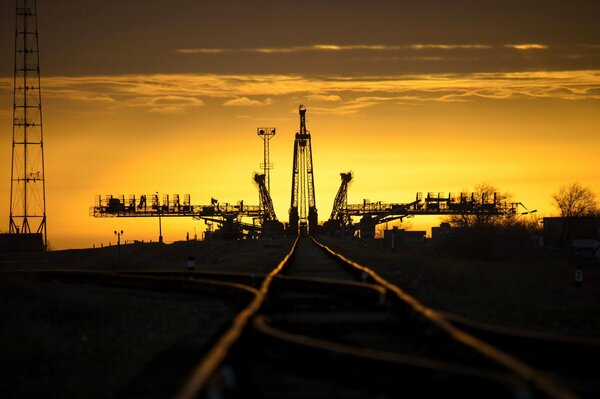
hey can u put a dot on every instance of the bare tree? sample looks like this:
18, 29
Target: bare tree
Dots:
575, 201
489, 235
484, 192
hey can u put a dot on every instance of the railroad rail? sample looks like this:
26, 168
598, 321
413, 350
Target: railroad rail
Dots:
166, 374
353, 334
322, 325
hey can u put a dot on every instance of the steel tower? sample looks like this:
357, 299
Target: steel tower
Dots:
266, 133
27, 184
303, 210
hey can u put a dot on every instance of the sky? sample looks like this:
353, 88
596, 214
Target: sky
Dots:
412, 96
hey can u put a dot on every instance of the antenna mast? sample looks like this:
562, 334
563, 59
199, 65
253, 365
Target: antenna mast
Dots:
27, 183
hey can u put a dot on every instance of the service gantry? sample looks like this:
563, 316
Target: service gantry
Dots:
303, 209
374, 213
229, 217
27, 183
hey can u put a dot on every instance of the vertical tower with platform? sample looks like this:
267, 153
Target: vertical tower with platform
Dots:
27, 183
303, 209
266, 133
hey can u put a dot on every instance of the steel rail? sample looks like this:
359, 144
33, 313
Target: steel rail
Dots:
551, 338
213, 359
155, 284
261, 324
138, 281
519, 368
568, 354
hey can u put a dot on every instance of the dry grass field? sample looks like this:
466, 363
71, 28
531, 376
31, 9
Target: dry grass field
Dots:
64, 338
216, 255
59, 340
533, 295
73, 341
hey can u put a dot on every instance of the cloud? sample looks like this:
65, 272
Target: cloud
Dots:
346, 94
246, 102
349, 108
73, 95
324, 97
334, 48
169, 104
450, 46
527, 46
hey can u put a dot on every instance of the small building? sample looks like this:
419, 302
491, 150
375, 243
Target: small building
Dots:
408, 237
22, 242
445, 230
564, 232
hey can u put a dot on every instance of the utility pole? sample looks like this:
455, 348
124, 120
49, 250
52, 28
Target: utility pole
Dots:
159, 210
118, 234
27, 183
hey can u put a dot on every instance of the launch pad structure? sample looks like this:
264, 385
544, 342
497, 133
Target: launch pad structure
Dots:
303, 216
303, 208
27, 223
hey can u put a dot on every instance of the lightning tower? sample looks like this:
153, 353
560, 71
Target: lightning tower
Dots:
303, 210
27, 184
266, 133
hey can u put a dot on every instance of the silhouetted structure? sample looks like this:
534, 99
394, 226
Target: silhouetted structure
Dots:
303, 209
33, 242
228, 217
374, 213
266, 133
270, 225
340, 220
560, 232
27, 183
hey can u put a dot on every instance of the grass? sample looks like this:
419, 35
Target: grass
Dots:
60, 340
533, 295
217, 255
70, 341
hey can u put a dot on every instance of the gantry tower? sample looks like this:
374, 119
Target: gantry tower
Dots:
303, 210
27, 184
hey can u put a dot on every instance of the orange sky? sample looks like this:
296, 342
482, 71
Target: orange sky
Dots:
527, 129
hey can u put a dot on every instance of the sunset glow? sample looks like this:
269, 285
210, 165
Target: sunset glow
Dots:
439, 114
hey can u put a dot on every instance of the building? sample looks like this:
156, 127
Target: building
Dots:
561, 232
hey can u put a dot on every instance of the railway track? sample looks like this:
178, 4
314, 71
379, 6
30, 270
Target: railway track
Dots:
164, 375
325, 326
320, 325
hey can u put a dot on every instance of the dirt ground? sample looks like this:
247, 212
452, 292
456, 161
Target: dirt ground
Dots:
217, 255
56, 331
58, 340
534, 295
